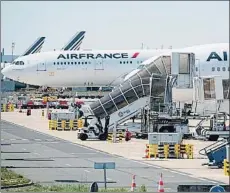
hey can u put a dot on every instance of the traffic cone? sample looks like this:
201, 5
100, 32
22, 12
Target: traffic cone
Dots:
20, 109
160, 185
133, 186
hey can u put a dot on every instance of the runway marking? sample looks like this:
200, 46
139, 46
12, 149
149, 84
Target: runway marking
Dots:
162, 168
23, 149
202, 179
82, 153
207, 180
25, 139
176, 172
36, 153
37, 139
157, 167
67, 164
98, 151
87, 171
109, 179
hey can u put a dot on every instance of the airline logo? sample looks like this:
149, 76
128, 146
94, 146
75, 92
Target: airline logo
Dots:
214, 55
35, 47
135, 55
96, 56
75, 42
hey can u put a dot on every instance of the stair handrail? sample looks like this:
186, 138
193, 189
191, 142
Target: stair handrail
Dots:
210, 148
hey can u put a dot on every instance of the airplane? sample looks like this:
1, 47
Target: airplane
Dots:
34, 48
74, 44
99, 68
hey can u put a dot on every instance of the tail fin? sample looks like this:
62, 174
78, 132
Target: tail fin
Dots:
75, 42
35, 47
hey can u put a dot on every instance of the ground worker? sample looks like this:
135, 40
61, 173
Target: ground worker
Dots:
128, 135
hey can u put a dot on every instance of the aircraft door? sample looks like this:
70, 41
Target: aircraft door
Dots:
41, 66
98, 65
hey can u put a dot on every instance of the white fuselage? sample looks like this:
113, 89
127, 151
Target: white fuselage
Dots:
103, 67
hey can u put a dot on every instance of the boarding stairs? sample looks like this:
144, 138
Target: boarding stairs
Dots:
215, 152
197, 131
155, 79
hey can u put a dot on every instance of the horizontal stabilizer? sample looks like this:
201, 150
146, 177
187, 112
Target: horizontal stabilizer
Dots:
35, 47
75, 42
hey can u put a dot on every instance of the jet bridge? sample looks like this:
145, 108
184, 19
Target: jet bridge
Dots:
154, 79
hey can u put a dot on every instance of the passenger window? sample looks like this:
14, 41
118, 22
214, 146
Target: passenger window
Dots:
61, 63
120, 62
223, 69
57, 63
75, 63
213, 68
82, 63
79, 62
68, 62
218, 68
124, 62
89, 62
137, 62
17, 63
72, 63
54, 63
65, 63
130, 62
85, 62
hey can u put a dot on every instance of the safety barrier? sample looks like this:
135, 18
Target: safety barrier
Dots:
43, 113
118, 139
121, 134
80, 123
226, 168
7, 108
169, 151
66, 125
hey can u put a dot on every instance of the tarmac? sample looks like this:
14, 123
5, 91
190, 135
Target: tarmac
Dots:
58, 157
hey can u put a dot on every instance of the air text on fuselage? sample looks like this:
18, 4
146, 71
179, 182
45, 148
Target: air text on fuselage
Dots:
93, 56
214, 55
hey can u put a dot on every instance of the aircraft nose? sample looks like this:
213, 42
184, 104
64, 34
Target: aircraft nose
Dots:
9, 73
5, 72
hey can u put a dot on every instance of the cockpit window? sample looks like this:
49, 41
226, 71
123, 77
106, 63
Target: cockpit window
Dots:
18, 63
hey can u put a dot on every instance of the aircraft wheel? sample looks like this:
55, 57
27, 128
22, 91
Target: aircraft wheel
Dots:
83, 136
102, 137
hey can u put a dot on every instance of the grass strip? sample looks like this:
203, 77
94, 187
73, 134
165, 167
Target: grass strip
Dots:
9, 178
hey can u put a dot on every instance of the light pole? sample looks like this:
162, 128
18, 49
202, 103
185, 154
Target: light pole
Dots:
198, 66
13, 45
